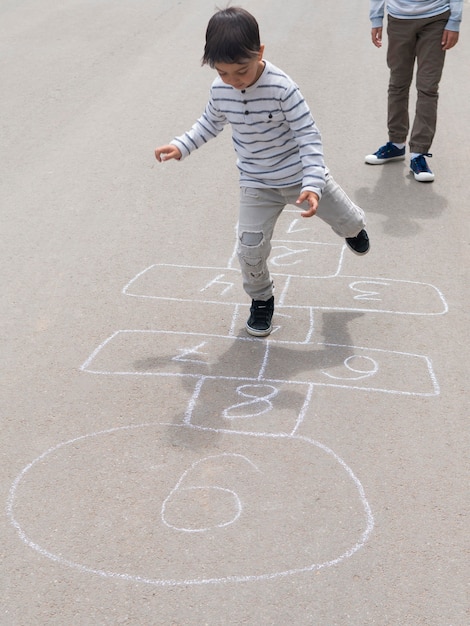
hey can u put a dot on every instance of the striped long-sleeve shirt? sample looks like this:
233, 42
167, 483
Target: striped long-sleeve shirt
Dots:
274, 135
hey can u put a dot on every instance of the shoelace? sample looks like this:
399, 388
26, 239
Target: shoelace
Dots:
420, 161
389, 147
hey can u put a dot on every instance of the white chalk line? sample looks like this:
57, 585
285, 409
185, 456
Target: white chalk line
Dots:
192, 581
125, 289
420, 394
264, 364
192, 402
294, 307
303, 410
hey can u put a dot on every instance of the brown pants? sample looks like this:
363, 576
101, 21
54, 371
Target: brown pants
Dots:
410, 40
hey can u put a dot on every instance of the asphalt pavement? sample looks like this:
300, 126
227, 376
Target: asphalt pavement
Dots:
158, 465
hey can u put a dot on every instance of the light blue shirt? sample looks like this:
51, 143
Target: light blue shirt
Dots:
416, 9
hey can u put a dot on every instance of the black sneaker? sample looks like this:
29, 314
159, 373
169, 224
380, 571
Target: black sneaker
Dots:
261, 313
360, 243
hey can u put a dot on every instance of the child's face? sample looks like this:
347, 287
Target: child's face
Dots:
241, 75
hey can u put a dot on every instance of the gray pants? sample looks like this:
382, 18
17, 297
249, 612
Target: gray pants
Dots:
259, 211
409, 41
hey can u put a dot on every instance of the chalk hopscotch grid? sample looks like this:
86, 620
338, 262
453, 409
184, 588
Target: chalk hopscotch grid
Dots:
201, 380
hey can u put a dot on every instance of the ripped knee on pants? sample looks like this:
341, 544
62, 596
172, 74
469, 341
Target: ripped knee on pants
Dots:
250, 254
251, 239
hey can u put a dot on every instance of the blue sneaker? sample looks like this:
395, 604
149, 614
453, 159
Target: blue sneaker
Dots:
420, 168
385, 154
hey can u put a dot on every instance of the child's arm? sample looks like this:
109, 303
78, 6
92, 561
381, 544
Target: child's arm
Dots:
208, 126
308, 139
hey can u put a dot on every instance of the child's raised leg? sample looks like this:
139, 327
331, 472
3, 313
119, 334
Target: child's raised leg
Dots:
338, 210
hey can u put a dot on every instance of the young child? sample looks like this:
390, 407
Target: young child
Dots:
279, 153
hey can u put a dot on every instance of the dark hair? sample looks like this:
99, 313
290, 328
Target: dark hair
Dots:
232, 36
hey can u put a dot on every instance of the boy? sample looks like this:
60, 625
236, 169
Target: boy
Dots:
420, 31
279, 153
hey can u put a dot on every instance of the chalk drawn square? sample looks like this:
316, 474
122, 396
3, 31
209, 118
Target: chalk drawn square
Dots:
304, 258
290, 324
354, 367
165, 353
356, 293
188, 283
291, 226
249, 406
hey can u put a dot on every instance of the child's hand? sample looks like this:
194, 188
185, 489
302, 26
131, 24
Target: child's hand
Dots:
376, 34
164, 153
312, 198
449, 39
